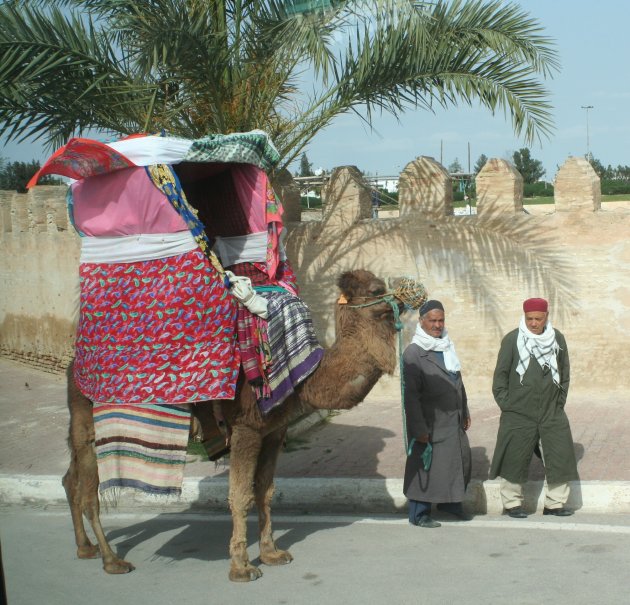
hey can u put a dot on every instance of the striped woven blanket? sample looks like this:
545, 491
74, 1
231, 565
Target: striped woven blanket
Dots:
141, 446
295, 352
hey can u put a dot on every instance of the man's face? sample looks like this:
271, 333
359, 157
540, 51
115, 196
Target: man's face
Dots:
536, 321
433, 323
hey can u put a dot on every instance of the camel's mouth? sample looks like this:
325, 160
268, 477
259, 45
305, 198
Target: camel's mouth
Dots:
388, 310
383, 291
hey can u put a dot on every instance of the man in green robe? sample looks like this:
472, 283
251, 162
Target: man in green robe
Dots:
530, 385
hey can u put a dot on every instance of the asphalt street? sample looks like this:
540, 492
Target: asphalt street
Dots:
183, 558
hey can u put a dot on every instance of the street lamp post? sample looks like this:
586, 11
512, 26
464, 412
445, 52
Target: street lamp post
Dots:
588, 148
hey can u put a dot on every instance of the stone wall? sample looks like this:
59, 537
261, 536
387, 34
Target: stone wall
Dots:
425, 186
499, 188
577, 187
39, 276
481, 267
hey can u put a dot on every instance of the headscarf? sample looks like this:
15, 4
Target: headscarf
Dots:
444, 344
543, 347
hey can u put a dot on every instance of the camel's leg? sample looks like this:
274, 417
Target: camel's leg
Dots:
263, 489
246, 443
81, 483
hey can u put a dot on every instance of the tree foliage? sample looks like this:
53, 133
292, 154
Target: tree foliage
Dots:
15, 175
481, 162
306, 168
620, 173
192, 67
531, 170
455, 166
538, 189
598, 167
613, 181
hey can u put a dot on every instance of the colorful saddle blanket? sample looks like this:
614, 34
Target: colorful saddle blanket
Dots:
157, 331
141, 446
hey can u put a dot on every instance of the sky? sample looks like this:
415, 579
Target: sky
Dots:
593, 43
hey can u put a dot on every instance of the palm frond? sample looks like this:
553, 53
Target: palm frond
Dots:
197, 66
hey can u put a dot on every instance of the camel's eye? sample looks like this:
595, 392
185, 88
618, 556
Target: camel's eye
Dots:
377, 291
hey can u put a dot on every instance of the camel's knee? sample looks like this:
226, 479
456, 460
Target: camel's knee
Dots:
69, 483
264, 495
240, 503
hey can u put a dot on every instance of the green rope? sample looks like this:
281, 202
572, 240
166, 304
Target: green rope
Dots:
269, 289
388, 298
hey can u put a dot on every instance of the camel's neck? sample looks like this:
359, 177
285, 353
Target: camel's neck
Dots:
346, 374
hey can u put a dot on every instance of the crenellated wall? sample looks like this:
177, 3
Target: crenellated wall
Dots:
39, 277
425, 186
481, 267
499, 188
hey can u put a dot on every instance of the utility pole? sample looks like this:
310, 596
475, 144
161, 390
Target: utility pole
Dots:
588, 145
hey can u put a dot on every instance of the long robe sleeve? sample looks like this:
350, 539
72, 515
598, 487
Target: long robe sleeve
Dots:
416, 422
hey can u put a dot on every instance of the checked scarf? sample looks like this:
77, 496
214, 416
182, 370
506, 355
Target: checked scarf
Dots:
543, 347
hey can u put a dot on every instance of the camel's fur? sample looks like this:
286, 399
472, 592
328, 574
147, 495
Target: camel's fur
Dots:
364, 349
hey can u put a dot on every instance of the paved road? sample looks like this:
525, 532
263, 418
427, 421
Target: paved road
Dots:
182, 558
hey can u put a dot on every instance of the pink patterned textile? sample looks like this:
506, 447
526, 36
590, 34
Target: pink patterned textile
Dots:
158, 331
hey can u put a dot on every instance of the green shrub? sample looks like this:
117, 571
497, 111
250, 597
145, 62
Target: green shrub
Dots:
538, 189
615, 187
458, 196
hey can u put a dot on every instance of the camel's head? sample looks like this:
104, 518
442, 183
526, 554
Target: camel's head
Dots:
363, 292
365, 314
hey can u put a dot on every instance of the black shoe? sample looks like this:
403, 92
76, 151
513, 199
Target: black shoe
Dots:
458, 512
558, 512
426, 521
516, 512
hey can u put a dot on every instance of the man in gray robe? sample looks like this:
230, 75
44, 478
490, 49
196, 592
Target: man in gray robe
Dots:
436, 411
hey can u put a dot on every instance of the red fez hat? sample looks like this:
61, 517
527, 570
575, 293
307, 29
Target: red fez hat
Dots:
535, 304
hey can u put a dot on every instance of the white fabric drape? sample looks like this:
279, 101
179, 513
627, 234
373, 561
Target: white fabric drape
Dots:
250, 248
443, 344
135, 248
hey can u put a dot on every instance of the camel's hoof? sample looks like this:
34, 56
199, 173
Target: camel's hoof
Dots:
90, 551
248, 573
276, 557
118, 566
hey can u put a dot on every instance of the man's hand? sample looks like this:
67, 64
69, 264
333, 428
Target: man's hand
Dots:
467, 423
424, 438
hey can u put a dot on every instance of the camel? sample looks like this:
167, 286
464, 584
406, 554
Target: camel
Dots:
364, 349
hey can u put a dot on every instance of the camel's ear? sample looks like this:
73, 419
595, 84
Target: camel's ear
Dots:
348, 283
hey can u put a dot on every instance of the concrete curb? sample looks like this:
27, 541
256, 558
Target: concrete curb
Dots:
319, 495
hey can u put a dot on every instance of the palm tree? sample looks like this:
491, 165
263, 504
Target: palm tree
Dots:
193, 67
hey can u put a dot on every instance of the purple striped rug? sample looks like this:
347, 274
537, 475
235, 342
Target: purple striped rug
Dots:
295, 351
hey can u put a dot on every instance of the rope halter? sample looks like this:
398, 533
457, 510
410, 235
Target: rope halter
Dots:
412, 294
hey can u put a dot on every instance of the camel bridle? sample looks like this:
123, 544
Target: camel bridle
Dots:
389, 298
